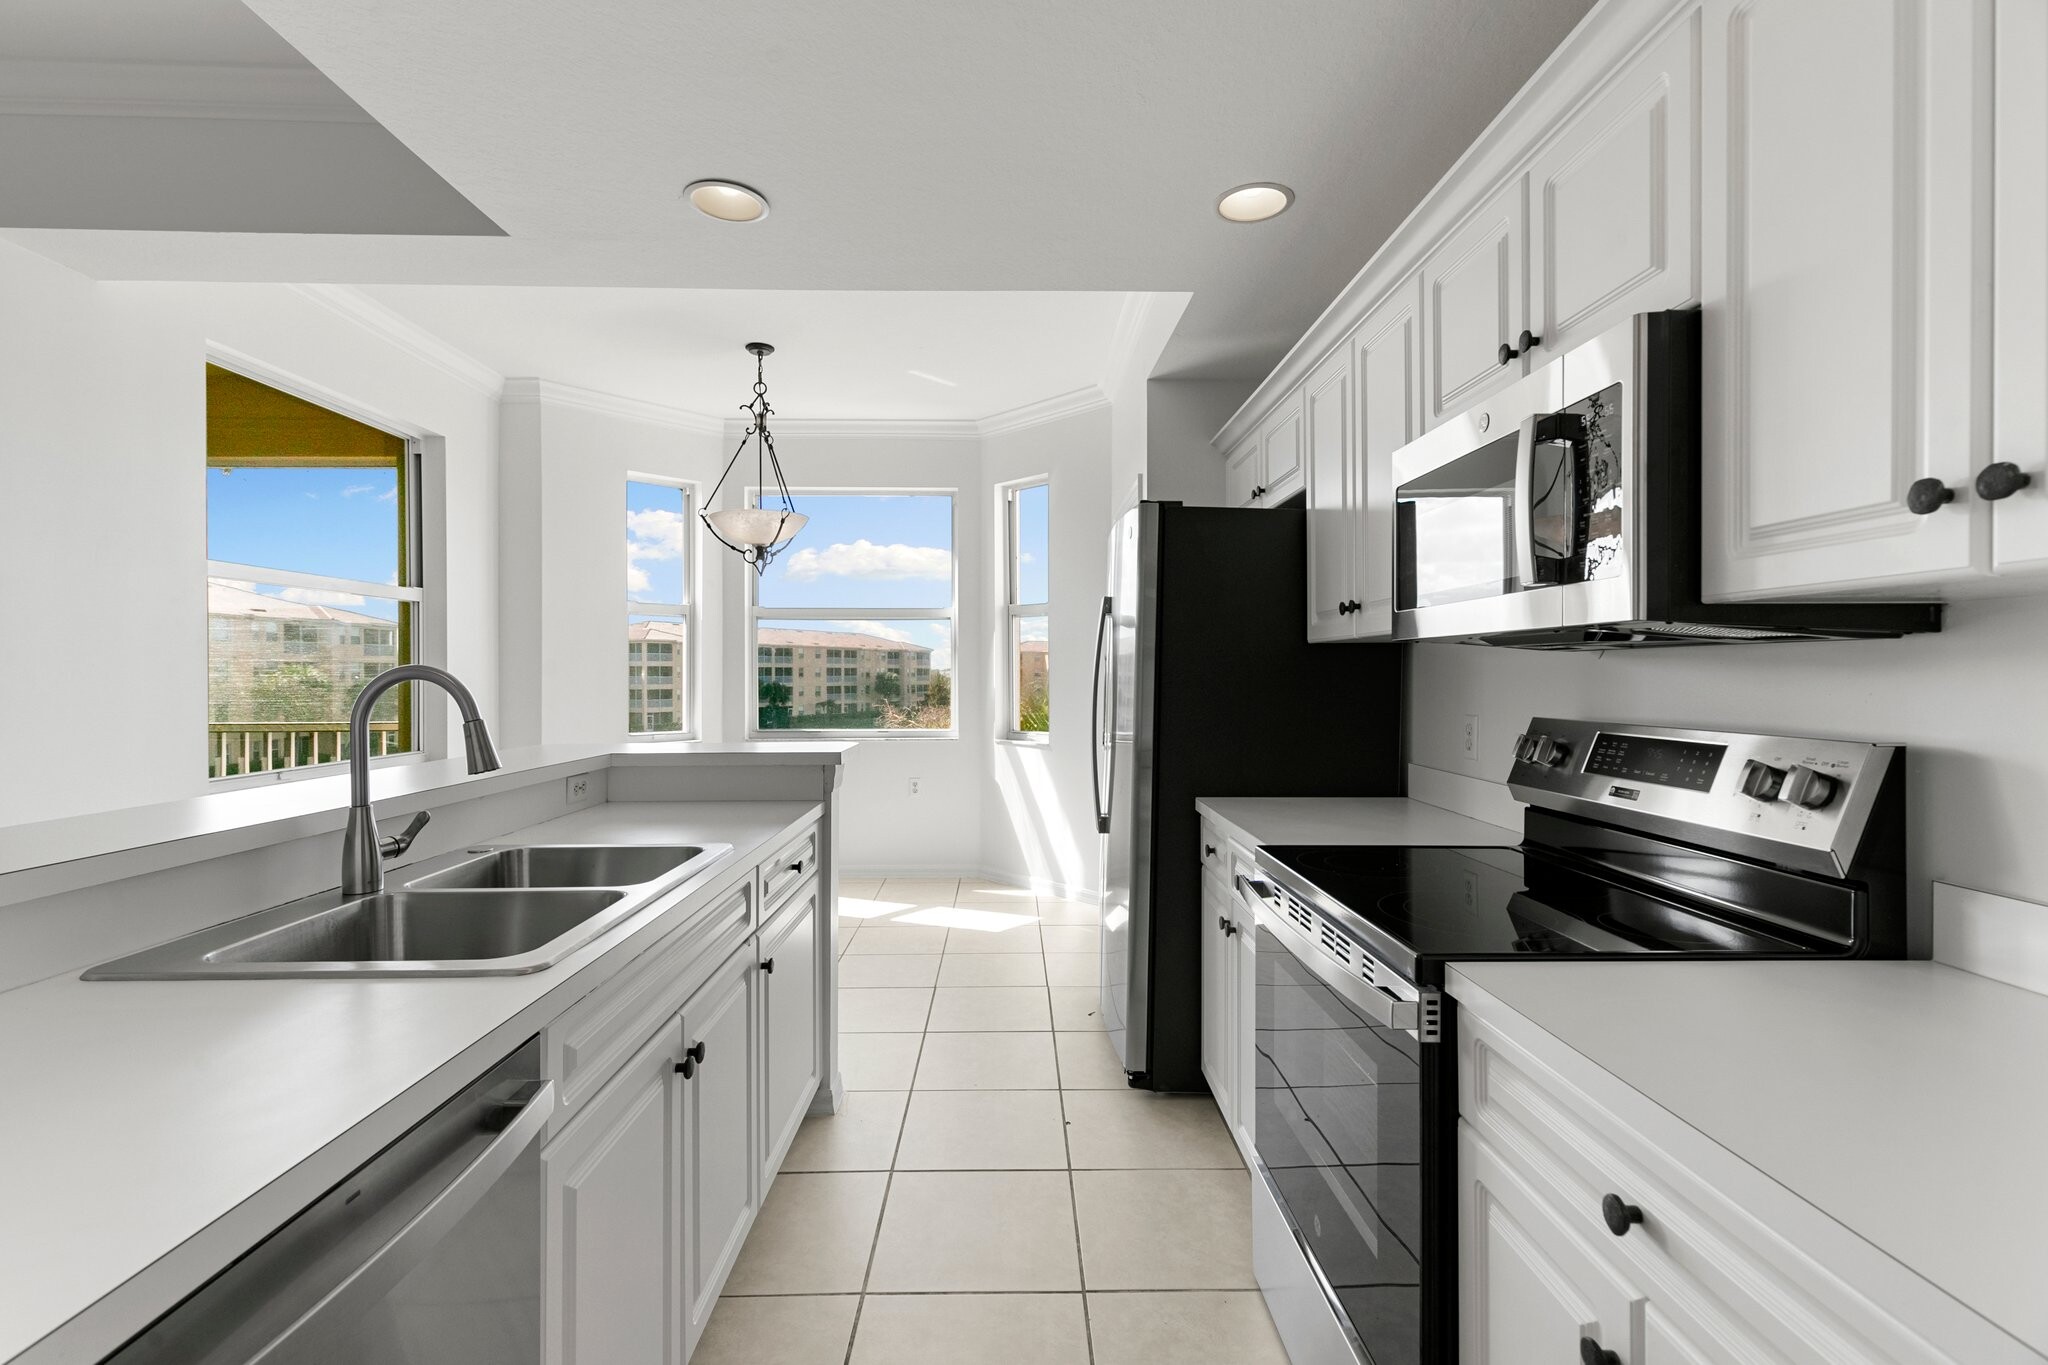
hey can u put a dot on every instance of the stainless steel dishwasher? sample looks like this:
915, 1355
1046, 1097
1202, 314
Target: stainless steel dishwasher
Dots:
428, 1252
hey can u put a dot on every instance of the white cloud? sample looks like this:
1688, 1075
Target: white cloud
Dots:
388, 495
865, 559
636, 579
356, 490
942, 659
321, 597
896, 633
1033, 628
245, 584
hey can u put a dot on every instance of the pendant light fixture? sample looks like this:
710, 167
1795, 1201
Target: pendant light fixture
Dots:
756, 534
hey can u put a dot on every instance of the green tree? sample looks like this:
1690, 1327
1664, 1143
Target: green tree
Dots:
889, 687
775, 709
940, 693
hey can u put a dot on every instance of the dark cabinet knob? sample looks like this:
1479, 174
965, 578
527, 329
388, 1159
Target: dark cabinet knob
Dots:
1928, 495
1506, 353
1208, 850
686, 1068
1592, 1352
797, 866
768, 965
695, 1052
1529, 342
2001, 480
1223, 923
1357, 607
1620, 1216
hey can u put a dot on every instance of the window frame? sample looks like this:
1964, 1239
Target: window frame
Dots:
756, 614
684, 611
1010, 547
426, 733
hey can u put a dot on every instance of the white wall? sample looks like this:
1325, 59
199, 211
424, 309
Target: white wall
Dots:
565, 465
103, 516
1181, 415
1971, 702
1037, 820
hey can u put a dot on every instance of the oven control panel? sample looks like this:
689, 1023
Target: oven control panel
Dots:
1805, 802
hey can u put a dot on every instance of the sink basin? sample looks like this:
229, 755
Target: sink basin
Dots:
563, 865
424, 926
503, 912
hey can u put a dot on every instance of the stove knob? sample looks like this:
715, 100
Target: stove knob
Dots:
1761, 780
1805, 787
1546, 752
1525, 748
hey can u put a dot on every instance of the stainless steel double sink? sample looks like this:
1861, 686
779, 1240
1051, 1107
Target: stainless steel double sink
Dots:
502, 912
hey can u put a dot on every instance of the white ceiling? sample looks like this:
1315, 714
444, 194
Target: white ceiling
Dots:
1058, 145
844, 354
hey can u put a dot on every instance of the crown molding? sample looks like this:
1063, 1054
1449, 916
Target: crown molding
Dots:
355, 306
294, 94
528, 389
1071, 404
1143, 326
888, 428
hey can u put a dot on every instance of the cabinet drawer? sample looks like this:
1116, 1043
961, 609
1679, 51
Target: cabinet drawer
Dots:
595, 1036
783, 873
1701, 1257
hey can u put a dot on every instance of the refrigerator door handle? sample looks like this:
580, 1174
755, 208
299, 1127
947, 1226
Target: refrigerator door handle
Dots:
1103, 628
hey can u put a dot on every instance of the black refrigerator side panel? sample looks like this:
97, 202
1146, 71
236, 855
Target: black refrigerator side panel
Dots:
1244, 706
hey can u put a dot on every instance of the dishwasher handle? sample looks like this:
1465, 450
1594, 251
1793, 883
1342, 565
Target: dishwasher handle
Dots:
414, 1241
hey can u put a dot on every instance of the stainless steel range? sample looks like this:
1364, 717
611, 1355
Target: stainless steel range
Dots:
1638, 840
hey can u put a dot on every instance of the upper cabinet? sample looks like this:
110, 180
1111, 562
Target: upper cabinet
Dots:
1846, 257
1267, 467
1611, 208
1474, 306
2019, 385
1856, 198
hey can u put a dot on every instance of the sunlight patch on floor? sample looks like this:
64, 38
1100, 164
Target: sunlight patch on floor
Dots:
968, 917
856, 907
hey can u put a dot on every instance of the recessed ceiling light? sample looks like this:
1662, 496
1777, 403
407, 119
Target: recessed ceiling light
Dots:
727, 200
1255, 203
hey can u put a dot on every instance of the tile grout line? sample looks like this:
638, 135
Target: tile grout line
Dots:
1073, 1198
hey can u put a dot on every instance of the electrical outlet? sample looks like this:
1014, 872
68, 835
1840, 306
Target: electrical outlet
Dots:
1470, 738
916, 785
577, 788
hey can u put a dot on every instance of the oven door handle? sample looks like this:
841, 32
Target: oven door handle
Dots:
1381, 1005
1257, 891
1524, 515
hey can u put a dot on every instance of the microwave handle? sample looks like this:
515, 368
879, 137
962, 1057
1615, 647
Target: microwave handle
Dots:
1524, 528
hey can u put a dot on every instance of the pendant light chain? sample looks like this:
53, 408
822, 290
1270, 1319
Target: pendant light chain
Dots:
746, 532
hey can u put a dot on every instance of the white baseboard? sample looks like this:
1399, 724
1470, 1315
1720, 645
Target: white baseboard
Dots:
1464, 794
2001, 937
1041, 886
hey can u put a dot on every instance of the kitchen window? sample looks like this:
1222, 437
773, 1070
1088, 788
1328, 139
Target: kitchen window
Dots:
312, 578
1026, 513
659, 581
864, 599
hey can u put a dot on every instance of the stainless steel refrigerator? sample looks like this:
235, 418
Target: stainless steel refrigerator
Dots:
1205, 685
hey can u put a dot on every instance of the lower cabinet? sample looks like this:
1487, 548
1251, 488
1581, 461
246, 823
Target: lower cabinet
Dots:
1229, 979
614, 1217
790, 1009
720, 1181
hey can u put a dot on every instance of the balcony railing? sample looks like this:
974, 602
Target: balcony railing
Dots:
239, 749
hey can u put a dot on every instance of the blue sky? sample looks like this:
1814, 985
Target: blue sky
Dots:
654, 543
867, 550
1034, 543
339, 523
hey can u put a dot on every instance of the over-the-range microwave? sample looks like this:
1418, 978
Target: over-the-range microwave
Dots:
1564, 513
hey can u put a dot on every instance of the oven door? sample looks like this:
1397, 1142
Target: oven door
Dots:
1339, 1132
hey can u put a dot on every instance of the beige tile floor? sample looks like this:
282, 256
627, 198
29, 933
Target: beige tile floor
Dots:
992, 1191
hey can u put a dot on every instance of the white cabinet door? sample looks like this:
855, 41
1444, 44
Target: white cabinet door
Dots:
2019, 386
1612, 220
1242, 473
1473, 304
1844, 146
1332, 526
1244, 985
791, 993
613, 1218
1219, 998
1528, 1289
1387, 365
1280, 450
719, 1169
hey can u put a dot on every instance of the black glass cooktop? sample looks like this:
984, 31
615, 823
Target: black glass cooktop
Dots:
1464, 903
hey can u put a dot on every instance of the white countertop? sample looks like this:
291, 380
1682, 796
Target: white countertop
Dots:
1348, 820
1906, 1100
154, 1130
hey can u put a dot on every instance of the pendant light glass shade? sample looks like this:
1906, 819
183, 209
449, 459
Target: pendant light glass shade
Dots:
756, 534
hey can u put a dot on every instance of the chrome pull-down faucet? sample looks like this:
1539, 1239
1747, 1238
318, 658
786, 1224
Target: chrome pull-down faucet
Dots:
362, 852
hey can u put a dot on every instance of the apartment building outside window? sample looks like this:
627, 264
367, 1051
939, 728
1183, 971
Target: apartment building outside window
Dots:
312, 578
1026, 514
659, 593
854, 625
